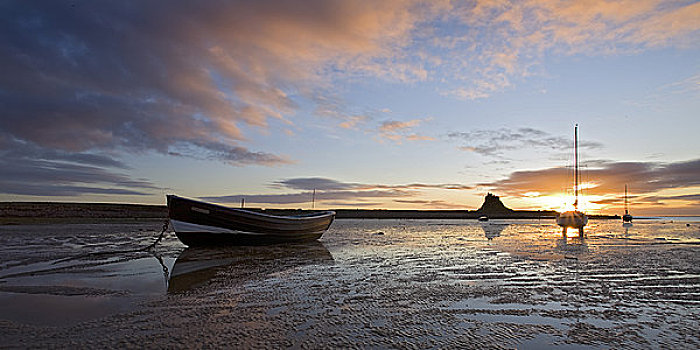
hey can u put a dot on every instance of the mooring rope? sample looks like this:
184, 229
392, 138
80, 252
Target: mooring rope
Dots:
162, 233
166, 272
143, 249
149, 247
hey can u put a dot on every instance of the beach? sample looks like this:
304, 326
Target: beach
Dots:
365, 284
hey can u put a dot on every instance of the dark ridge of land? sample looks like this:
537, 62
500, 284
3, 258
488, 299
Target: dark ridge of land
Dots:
52, 212
426, 214
442, 214
81, 210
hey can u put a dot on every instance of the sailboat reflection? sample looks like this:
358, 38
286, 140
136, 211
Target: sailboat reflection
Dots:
573, 246
198, 266
627, 226
492, 230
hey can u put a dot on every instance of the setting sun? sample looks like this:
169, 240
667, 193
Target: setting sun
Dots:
565, 202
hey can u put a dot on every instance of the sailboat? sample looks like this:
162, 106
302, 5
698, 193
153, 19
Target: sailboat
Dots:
573, 218
627, 217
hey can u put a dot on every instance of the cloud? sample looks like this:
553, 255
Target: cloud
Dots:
28, 169
353, 204
395, 130
227, 153
432, 204
685, 88
94, 80
323, 184
306, 197
312, 183
689, 199
168, 76
689, 86
494, 44
83, 83
333, 191
353, 121
63, 190
607, 177
420, 186
497, 142
390, 126
123, 75
12, 148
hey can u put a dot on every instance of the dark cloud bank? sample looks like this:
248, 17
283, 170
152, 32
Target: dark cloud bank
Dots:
126, 75
105, 78
28, 169
338, 193
84, 82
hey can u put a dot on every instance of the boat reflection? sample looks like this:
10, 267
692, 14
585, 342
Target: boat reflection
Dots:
627, 226
492, 230
575, 245
198, 266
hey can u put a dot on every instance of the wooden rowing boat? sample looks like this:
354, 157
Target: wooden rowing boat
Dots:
200, 223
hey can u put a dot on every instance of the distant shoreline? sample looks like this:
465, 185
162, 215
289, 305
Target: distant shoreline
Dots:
56, 212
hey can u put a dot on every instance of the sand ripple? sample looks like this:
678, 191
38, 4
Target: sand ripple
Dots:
419, 285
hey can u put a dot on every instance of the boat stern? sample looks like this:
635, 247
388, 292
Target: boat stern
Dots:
572, 219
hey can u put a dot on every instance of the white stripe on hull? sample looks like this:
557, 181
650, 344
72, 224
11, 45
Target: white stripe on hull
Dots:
181, 226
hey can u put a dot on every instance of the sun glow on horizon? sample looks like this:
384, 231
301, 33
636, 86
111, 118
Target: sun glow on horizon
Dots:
565, 202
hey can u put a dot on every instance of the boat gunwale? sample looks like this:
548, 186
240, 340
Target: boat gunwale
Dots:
308, 217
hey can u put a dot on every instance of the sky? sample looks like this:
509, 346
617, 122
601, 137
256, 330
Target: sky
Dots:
367, 104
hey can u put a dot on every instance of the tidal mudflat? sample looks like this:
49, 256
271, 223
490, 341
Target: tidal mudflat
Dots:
365, 284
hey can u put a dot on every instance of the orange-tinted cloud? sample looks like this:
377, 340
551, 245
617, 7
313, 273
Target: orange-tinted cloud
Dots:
395, 130
158, 75
431, 204
655, 188
502, 41
605, 177
181, 78
188, 79
353, 121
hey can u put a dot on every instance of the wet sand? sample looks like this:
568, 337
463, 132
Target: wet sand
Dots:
365, 284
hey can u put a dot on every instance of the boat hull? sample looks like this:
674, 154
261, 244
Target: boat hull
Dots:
199, 223
572, 219
627, 218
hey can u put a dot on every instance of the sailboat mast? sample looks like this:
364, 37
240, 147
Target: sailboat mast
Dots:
576, 165
626, 211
